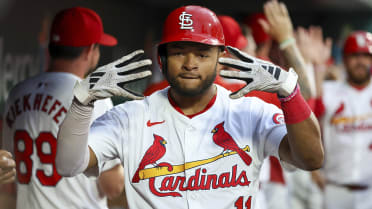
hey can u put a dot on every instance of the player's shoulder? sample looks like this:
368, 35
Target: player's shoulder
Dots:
334, 90
23, 85
138, 107
56, 79
50, 77
243, 104
241, 101
333, 85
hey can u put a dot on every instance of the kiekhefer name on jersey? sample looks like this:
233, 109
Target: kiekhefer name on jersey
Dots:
35, 102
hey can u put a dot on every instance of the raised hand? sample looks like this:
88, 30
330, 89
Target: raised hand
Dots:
109, 79
279, 24
322, 47
313, 46
259, 74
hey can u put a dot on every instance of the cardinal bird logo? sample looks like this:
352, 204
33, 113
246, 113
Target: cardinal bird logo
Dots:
153, 154
340, 109
224, 140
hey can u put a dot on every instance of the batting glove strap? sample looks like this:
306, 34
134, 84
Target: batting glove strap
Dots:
293, 94
259, 74
295, 108
289, 85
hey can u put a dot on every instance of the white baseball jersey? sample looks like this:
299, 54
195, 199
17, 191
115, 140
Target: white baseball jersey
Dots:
347, 133
210, 160
34, 111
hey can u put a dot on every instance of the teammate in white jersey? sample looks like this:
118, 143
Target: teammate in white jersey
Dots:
194, 144
37, 106
347, 128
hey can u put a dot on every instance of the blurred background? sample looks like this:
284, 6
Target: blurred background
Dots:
25, 26
137, 24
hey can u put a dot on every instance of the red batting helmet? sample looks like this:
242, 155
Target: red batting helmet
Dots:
194, 24
358, 42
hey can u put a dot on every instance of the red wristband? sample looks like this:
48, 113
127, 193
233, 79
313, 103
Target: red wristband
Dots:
294, 107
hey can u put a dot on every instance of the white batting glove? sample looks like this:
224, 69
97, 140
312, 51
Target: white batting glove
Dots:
109, 79
259, 74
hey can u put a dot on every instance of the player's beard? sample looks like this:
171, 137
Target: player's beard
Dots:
205, 85
353, 77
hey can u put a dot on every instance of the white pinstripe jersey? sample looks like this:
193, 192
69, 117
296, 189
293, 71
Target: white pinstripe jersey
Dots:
347, 133
174, 161
34, 110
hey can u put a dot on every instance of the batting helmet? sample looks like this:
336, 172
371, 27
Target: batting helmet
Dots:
358, 42
193, 24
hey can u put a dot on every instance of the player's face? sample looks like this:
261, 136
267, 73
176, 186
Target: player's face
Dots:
358, 67
191, 67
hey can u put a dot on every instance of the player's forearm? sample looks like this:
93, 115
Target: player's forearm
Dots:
305, 148
111, 181
295, 60
302, 146
72, 150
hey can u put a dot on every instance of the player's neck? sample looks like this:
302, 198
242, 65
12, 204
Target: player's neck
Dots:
359, 86
193, 105
75, 67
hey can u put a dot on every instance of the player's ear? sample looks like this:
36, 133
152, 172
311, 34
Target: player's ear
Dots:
222, 52
89, 51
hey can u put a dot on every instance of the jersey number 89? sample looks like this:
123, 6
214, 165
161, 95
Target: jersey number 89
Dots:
24, 155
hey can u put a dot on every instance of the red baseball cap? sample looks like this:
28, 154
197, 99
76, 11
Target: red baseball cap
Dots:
258, 32
78, 27
358, 42
233, 33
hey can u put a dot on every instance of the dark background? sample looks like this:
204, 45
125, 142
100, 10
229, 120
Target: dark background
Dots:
137, 24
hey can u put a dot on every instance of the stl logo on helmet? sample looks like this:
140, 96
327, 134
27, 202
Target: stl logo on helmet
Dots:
186, 21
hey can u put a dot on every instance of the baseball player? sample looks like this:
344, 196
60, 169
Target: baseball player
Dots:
194, 144
347, 128
37, 106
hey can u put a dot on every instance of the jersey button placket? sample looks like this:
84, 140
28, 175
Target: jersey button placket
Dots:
188, 155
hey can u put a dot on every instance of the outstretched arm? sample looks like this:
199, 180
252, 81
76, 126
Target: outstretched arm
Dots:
73, 153
302, 145
113, 171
